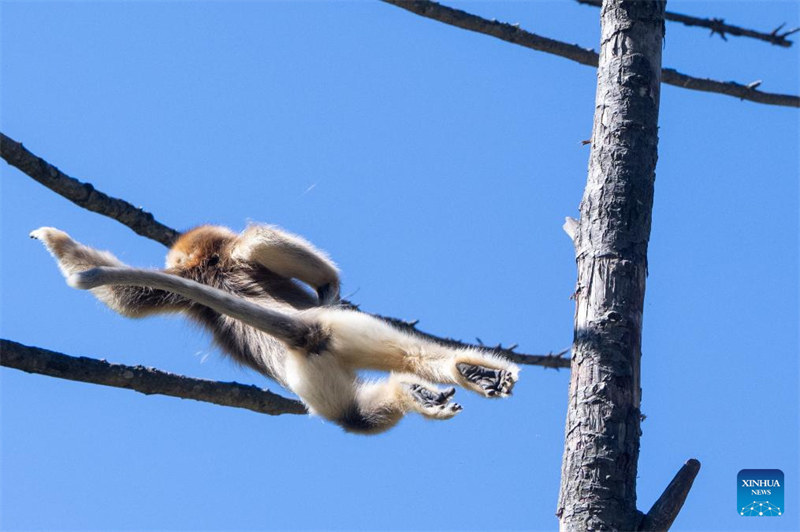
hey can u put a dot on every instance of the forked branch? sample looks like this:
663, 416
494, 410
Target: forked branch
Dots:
666, 508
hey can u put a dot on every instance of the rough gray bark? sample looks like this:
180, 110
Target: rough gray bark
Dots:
144, 380
601, 451
514, 34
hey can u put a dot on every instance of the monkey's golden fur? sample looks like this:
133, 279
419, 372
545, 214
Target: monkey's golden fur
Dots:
313, 348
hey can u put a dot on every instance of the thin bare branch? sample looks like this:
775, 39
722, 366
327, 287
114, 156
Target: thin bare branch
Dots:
731, 88
514, 34
718, 26
550, 360
666, 508
144, 224
502, 30
144, 380
84, 194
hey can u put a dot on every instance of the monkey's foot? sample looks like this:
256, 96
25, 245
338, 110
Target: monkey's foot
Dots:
433, 403
488, 381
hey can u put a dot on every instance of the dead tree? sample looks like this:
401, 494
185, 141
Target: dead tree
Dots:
601, 449
599, 469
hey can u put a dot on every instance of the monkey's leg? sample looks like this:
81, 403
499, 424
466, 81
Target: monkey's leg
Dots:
131, 301
407, 393
290, 256
366, 407
485, 374
379, 405
362, 341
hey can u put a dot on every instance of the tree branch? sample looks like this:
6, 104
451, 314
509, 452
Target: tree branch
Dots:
145, 224
550, 360
84, 194
667, 507
514, 34
506, 32
144, 380
718, 26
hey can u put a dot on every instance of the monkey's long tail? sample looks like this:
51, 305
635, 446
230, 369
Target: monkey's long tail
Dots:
282, 326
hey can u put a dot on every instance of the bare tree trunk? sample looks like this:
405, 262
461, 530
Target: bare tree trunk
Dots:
598, 476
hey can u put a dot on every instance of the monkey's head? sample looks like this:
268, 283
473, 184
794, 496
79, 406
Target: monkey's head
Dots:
200, 245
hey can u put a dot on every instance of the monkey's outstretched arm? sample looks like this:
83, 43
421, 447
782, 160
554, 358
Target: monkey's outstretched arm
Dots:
287, 328
132, 301
290, 256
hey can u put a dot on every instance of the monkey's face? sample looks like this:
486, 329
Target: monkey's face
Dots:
199, 246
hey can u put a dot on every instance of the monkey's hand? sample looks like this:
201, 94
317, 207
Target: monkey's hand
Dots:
84, 266
72, 257
57, 242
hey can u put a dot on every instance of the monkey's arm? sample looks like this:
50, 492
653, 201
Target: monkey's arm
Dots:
285, 327
132, 301
290, 256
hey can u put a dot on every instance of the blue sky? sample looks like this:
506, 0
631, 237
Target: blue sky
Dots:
436, 166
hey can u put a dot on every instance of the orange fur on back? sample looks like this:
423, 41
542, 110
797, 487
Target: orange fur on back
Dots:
198, 244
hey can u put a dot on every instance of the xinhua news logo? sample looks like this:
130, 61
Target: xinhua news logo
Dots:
759, 492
